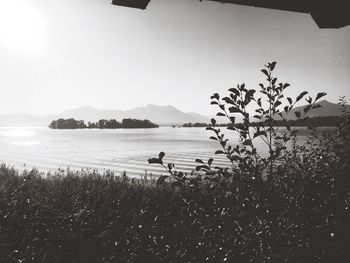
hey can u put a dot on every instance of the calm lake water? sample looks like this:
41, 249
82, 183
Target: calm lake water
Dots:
118, 150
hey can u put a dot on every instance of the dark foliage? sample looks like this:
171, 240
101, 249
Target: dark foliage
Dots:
101, 124
294, 201
197, 124
321, 121
67, 124
133, 123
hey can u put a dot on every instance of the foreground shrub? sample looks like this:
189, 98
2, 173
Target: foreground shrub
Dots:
86, 217
296, 199
290, 206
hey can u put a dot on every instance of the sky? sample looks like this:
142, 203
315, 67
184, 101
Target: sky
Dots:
61, 54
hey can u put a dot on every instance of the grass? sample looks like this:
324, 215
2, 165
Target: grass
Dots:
84, 216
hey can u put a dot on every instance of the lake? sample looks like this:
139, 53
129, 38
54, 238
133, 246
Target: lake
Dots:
117, 149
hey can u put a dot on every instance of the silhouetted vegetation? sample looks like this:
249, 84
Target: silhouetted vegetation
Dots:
67, 124
294, 202
290, 206
102, 124
321, 121
197, 124
133, 123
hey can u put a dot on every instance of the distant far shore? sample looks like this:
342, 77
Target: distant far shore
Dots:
322, 121
102, 124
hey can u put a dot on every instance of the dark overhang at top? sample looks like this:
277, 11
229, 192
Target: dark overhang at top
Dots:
326, 13
141, 4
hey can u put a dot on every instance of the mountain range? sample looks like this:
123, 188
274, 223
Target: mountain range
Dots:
162, 115
327, 109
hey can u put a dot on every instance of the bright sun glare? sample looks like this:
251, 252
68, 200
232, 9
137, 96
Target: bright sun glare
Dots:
22, 27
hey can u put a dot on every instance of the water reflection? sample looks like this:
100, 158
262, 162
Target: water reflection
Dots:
118, 150
25, 143
18, 133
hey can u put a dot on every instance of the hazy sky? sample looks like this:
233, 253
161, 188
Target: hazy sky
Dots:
61, 54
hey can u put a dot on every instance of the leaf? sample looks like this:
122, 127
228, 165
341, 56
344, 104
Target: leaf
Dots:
235, 91
223, 143
274, 81
265, 72
228, 100
213, 121
290, 100
155, 160
210, 161
215, 96
214, 103
286, 108
301, 95
219, 152
233, 97
259, 102
161, 155
220, 114
259, 133
199, 161
320, 95
272, 65
213, 138
170, 166
250, 93
233, 119
234, 110
277, 103
286, 85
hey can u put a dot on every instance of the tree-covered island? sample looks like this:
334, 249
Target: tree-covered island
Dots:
101, 124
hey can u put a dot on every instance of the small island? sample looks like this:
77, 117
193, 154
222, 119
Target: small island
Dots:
101, 124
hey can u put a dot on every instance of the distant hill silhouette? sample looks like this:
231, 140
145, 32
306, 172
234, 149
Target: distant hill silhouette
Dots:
159, 114
327, 109
162, 115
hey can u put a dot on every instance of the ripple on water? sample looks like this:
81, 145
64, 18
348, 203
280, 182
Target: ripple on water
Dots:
25, 143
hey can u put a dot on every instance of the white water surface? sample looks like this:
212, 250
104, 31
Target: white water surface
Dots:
114, 149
